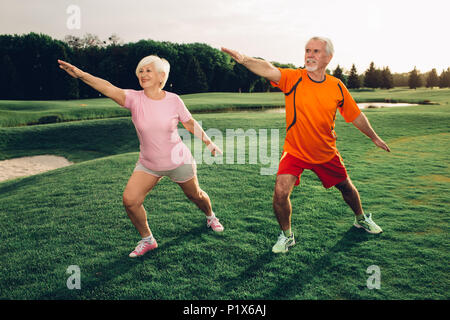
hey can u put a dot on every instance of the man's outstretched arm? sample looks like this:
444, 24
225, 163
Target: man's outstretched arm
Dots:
363, 124
258, 66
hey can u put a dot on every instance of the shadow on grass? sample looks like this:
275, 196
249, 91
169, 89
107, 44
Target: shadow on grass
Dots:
288, 288
232, 283
12, 185
93, 282
292, 286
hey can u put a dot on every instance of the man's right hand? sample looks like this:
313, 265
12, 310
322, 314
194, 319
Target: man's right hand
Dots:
258, 66
239, 57
381, 144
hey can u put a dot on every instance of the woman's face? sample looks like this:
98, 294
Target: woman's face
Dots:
149, 77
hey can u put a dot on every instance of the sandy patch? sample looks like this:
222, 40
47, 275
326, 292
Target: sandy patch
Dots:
436, 177
26, 166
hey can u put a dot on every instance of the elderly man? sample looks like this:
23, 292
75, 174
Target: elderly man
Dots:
312, 99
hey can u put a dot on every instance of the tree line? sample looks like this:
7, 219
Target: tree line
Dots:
384, 79
30, 71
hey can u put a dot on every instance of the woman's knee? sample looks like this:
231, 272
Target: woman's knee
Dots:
198, 195
131, 201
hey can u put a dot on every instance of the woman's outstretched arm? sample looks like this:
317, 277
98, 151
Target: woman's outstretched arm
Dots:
101, 85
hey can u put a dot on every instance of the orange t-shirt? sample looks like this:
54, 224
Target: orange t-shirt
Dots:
310, 132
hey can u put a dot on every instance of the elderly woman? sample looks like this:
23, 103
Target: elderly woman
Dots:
155, 115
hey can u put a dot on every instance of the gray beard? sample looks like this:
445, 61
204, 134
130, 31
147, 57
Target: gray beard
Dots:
312, 69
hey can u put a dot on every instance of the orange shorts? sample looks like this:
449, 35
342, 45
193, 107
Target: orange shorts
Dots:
330, 173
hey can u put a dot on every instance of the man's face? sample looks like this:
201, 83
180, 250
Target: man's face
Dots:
316, 56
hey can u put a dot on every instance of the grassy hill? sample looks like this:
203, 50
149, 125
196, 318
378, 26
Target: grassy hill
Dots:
74, 216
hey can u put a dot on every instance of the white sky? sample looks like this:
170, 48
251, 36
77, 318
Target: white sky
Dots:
400, 34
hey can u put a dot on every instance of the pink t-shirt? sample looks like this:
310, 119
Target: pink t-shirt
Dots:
156, 123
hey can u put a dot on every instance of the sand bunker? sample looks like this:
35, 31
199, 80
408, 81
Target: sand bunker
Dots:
26, 166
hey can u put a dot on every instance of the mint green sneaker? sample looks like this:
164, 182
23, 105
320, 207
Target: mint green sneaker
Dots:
368, 225
283, 243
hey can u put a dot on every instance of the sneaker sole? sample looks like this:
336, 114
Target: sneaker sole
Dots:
138, 256
287, 248
215, 230
367, 230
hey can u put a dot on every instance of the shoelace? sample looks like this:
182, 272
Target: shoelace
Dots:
282, 237
140, 246
214, 220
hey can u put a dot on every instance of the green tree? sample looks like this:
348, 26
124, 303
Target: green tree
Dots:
10, 85
338, 73
193, 67
372, 77
62, 86
414, 80
261, 85
400, 79
444, 79
432, 79
222, 74
244, 80
208, 59
353, 81
387, 81
195, 79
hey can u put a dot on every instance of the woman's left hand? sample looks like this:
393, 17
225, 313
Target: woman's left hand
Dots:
214, 149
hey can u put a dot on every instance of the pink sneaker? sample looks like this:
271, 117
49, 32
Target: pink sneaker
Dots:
143, 247
214, 224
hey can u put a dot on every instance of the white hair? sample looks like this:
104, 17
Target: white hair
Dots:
328, 44
161, 65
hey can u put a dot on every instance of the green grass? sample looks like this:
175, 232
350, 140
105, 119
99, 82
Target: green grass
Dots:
77, 141
74, 216
420, 95
19, 113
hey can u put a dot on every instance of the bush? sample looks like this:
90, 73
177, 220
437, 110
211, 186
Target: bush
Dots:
50, 119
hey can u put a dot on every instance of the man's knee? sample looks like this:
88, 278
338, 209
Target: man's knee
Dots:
346, 186
281, 193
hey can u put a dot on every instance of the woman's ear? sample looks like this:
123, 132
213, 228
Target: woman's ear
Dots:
162, 75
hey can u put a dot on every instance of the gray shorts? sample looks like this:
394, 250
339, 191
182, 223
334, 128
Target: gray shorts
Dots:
181, 174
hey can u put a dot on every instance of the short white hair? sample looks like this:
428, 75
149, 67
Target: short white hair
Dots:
161, 65
328, 44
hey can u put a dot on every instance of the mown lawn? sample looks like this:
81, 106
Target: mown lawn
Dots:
74, 216
19, 113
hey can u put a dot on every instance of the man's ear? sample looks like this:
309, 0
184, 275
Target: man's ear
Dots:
329, 58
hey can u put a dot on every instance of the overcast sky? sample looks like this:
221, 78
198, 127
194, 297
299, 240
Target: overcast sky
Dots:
400, 34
